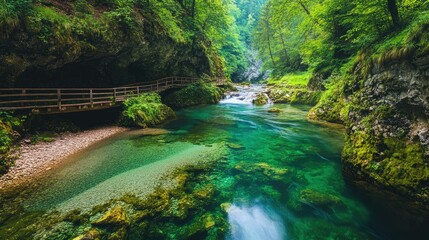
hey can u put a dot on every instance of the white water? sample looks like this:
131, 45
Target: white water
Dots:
256, 222
245, 95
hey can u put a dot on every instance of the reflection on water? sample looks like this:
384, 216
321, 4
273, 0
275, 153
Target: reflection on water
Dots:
255, 222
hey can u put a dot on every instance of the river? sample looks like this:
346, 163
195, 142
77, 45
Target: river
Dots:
276, 175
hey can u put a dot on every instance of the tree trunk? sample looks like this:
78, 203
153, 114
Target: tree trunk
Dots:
193, 9
305, 8
284, 47
269, 48
394, 13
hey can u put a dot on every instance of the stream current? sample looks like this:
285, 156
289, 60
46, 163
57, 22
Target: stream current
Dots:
280, 179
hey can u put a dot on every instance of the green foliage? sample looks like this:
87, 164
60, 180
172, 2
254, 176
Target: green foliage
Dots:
292, 35
298, 79
10, 14
146, 110
122, 14
8, 126
332, 106
194, 94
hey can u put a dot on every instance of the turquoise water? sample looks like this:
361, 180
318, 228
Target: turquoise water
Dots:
280, 178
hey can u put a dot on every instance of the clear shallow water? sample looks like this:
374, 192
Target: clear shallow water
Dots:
281, 178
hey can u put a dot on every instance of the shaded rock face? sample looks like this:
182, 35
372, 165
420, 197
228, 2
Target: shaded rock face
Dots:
316, 82
128, 61
387, 124
57, 48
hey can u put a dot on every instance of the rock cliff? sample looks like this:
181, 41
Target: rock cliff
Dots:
384, 104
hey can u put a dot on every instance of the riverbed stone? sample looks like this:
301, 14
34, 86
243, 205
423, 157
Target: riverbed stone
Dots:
235, 146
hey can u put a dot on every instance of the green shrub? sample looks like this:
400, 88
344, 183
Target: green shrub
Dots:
8, 127
145, 110
122, 15
195, 94
10, 14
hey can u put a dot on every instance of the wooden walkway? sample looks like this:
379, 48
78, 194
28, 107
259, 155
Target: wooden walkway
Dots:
53, 100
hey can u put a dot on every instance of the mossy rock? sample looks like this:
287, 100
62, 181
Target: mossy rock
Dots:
116, 216
92, 234
261, 99
274, 110
320, 199
145, 111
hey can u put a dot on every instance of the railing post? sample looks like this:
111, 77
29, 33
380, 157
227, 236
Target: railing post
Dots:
23, 93
114, 95
59, 98
91, 98
138, 90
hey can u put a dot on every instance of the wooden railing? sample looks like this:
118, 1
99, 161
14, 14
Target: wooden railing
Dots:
80, 99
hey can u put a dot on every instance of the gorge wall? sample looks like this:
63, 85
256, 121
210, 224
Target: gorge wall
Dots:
384, 104
101, 43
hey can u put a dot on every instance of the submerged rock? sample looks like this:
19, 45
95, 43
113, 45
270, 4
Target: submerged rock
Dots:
274, 110
234, 146
225, 206
114, 217
92, 234
311, 196
153, 132
267, 170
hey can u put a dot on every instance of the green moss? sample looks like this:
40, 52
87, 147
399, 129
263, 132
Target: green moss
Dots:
405, 167
391, 162
297, 79
332, 106
146, 110
197, 93
294, 95
261, 99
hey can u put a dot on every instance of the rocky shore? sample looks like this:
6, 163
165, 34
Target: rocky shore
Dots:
39, 157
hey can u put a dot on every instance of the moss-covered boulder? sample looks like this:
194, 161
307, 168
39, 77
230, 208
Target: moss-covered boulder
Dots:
146, 110
261, 99
197, 93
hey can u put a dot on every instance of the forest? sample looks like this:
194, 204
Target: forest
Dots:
214, 119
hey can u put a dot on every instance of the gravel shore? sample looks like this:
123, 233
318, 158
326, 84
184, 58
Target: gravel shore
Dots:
36, 158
